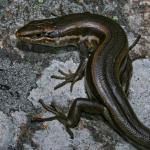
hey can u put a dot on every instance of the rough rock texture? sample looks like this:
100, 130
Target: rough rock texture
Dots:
25, 76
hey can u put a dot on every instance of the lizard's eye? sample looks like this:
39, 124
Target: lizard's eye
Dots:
38, 35
48, 34
53, 34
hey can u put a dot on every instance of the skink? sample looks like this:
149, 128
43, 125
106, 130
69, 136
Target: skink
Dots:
105, 64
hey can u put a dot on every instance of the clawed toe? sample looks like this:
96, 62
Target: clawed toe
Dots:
53, 109
62, 72
37, 119
68, 77
59, 115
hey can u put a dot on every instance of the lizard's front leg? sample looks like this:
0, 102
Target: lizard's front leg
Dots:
71, 77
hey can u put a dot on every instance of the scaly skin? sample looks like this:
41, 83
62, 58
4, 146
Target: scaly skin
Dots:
107, 71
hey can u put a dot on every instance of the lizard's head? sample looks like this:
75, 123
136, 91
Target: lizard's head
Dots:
59, 31
39, 32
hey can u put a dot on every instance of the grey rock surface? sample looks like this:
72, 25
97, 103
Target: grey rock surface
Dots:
25, 77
